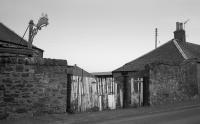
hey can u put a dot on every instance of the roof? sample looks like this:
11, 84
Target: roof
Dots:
9, 36
77, 71
102, 73
13, 51
173, 51
191, 50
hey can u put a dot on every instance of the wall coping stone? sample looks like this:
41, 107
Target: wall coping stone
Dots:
33, 61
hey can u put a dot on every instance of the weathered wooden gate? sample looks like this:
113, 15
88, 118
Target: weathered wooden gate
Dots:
136, 91
83, 94
90, 94
106, 91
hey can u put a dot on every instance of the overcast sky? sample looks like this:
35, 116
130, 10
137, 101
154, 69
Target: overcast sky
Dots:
101, 35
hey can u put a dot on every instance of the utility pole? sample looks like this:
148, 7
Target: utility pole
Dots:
30, 38
156, 37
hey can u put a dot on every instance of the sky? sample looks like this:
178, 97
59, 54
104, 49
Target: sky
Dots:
101, 35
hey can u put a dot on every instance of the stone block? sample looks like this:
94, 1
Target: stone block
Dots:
26, 95
63, 92
9, 99
20, 86
4, 74
21, 60
17, 82
63, 84
19, 68
9, 68
3, 115
7, 81
44, 100
25, 75
2, 87
1, 94
14, 74
29, 85
21, 110
24, 89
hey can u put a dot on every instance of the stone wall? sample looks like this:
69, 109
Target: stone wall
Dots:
198, 77
32, 86
172, 83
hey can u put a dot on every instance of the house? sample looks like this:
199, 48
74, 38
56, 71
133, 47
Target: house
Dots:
12, 44
167, 74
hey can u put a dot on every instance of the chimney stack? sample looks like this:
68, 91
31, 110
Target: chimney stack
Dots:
179, 34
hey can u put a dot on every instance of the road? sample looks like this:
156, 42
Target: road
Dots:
184, 116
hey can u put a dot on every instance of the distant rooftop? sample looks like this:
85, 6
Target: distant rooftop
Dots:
102, 73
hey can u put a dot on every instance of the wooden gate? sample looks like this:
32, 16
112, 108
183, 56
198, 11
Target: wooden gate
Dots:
136, 91
90, 94
106, 90
83, 94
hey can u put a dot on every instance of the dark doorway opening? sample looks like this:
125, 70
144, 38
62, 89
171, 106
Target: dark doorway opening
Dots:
69, 83
125, 90
146, 94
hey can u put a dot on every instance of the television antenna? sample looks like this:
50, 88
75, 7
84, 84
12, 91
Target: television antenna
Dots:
33, 28
185, 22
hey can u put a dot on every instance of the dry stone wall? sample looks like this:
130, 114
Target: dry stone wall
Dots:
32, 86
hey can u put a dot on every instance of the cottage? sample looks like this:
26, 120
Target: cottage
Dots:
12, 44
169, 73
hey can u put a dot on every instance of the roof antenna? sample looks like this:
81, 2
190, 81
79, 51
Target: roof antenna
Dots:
184, 23
33, 28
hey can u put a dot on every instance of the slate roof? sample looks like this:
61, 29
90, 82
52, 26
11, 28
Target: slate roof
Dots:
191, 50
9, 36
77, 71
102, 73
173, 51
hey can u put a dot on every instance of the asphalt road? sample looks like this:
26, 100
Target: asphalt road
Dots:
185, 116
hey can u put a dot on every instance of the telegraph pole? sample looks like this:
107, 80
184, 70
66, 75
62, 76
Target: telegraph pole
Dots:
30, 38
156, 37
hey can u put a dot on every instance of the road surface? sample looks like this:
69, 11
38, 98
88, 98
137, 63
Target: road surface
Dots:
184, 116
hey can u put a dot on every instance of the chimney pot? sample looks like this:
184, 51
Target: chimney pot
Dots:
181, 26
179, 34
177, 26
